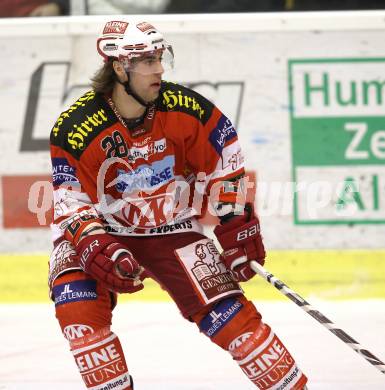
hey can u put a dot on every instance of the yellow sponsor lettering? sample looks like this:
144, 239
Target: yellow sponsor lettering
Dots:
81, 131
101, 113
81, 102
57, 125
171, 100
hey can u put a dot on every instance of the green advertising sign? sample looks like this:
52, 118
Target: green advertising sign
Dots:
337, 121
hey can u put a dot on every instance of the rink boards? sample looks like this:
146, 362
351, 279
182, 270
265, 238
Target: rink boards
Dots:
322, 274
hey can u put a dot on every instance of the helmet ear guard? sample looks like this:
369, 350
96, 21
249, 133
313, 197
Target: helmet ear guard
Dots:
108, 47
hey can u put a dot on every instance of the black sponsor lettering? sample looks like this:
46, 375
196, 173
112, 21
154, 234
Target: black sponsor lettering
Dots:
171, 228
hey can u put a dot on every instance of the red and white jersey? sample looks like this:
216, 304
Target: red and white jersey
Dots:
153, 179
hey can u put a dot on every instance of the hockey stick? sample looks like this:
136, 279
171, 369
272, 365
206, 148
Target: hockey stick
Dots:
304, 305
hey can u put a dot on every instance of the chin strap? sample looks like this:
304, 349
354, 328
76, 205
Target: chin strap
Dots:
129, 91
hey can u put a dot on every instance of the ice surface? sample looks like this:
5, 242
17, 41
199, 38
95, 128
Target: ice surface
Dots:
165, 352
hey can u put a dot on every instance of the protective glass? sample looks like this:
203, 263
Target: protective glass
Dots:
156, 61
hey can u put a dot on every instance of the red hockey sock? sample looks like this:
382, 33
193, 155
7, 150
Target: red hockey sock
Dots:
266, 361
235, 325
100, 359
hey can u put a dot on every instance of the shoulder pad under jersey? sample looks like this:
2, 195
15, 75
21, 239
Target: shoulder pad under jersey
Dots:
175, 97
81, 123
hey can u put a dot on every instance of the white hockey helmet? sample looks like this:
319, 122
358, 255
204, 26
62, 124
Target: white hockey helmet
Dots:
131, 43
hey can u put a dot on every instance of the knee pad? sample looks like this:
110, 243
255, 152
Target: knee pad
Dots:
100, 360
82, 306
228, 319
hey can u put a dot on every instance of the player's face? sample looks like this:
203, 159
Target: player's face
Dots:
146, 77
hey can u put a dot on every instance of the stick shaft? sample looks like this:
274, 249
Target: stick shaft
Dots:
304, 305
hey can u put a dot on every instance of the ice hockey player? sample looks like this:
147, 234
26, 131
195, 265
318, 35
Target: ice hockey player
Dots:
136, 161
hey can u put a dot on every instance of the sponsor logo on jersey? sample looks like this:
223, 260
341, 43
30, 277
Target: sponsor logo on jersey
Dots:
222, 133
141, 143
62, 172
217, 318
75, 331
174, 99
80, 132
234, 161
81, 102
165, 229
148, 150
238, 341
172, 228
146, 176
79, 290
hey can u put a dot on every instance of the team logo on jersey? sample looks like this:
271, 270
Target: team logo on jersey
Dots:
223, 132
62, 172
75, 331
150, 211
217, 318
79, 290
238, 341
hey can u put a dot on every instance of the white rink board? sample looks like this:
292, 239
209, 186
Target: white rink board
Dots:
238, 61
165, 352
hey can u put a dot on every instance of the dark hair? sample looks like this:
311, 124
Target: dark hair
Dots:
104, 79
